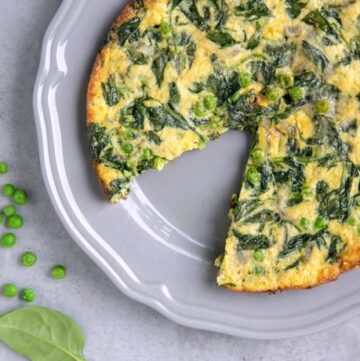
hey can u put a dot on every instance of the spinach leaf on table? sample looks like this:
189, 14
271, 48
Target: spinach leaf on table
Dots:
42, 334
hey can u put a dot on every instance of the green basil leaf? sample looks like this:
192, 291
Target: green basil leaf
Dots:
42, 334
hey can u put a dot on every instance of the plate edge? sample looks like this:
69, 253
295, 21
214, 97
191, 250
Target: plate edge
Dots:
47, 43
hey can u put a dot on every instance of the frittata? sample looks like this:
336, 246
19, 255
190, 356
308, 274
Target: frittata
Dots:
173, 75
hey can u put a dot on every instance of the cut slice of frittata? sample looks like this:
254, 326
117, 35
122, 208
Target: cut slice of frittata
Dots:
296, 221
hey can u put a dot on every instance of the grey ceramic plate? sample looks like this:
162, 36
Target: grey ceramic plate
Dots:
159, 245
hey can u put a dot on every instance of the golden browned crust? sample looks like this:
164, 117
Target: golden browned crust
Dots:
349, 261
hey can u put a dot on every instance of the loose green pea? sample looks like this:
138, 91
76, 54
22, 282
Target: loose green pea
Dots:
148, 154
199, 110
320, 223
296, 93
209, 102
304, 223
258, 255
258, 270
322, 107
253, 175
58, 272
127, 148
245, 79
258, 156
15, 221
28, 295
8, 240
9, 290
272, 94
20, 197
3, 167
8, 190
9, 210
28, 259
165, 28
286, 80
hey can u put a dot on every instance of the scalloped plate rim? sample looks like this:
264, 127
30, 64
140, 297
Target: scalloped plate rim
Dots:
128, 286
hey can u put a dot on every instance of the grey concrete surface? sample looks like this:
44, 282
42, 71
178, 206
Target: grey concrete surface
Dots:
117, 328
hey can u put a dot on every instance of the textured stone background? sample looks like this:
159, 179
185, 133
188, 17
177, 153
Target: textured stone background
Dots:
117, 328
